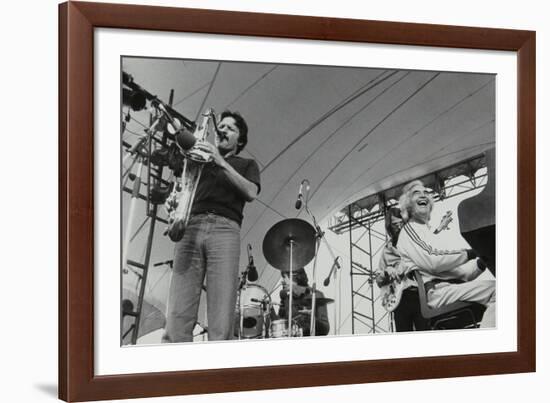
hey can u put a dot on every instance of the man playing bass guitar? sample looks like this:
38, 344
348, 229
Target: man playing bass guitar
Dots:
400, 292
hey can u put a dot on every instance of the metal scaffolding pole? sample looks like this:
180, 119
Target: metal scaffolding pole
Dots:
351, 274
371, 275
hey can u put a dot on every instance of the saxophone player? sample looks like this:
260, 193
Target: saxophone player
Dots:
210, 246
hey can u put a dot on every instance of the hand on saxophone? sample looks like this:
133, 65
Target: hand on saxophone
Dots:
213, 151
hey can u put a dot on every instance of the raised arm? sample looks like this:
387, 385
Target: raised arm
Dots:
418, 248
248, 189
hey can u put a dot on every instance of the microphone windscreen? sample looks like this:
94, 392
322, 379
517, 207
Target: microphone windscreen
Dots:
127, 306
252, 274
298, 204
185, 139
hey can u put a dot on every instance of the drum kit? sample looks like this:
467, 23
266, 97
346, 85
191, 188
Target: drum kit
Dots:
288, 245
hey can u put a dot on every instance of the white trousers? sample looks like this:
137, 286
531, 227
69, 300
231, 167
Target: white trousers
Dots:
481, 290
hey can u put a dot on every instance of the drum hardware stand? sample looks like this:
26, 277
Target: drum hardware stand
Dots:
242, 283
244, 279
318, 236
287, 244
290, 297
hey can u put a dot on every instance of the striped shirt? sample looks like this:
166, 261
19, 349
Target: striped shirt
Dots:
420, 251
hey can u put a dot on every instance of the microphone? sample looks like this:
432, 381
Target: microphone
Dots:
335, 266
298, 203
252, 272
185, 140
127, 307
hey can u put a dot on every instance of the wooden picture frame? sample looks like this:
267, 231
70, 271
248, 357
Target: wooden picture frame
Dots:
77, 21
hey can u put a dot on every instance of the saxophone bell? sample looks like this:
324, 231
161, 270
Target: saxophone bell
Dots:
177, 230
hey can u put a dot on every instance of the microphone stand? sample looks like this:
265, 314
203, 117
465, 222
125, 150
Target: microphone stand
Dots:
243, 280
335, 273
134, 151
131, 213
140, 152
320, 236
242, 283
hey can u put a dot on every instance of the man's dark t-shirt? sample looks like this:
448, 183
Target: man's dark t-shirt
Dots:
215, 193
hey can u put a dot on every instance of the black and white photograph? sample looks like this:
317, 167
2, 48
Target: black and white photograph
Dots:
272, 200
275, 201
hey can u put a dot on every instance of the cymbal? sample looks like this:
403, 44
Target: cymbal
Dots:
319, 301
306, 303
277, 240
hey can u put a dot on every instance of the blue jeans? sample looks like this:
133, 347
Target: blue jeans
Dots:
211, 247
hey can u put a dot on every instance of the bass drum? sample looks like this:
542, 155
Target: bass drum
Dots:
255, 304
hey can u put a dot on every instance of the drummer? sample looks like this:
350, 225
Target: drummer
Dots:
301, 304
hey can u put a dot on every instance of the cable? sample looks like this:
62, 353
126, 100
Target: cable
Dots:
208, 92
134, 133
137, 121
158, 281
253, 156
374, 128
362, 90
191, 94
420, 163
270, 208
362, 109
250, 87
139, 229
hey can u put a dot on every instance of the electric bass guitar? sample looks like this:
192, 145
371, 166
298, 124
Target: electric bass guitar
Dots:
391, 293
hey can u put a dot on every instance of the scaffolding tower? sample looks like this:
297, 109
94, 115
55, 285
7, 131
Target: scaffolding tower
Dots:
151, 188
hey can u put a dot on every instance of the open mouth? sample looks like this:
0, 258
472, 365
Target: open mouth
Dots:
422, 202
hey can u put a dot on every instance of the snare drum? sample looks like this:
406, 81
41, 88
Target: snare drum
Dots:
255, 303
279, 328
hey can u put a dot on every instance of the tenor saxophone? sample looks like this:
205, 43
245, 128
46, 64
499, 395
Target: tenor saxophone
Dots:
183, 194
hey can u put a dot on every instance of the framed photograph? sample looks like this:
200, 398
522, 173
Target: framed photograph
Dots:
256, 201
